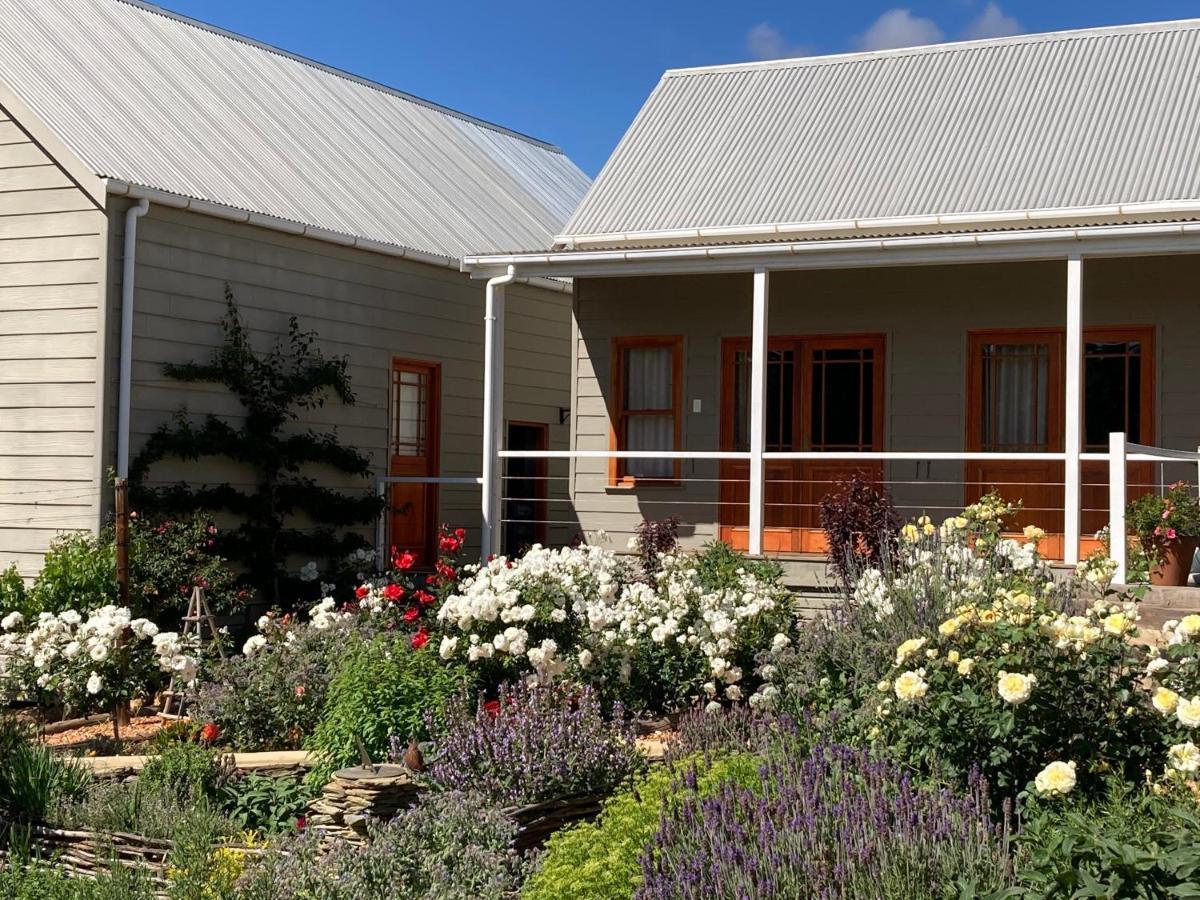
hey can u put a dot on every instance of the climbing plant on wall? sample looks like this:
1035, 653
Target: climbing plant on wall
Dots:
275, 388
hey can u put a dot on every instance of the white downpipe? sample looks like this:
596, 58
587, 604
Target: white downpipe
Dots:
1116, 503
132, 214
1072, 437
758, 419
493, 404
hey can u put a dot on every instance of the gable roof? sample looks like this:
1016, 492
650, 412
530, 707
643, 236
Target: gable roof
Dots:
1068, 126
150, 98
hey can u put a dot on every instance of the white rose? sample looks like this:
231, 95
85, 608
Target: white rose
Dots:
95, 684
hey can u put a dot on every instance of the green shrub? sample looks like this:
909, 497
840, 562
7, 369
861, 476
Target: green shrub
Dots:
25, 879
79, 572
167, 558
33, 780
1130, 843
14, 596
382, 687
600, 860
263, 804
185, 771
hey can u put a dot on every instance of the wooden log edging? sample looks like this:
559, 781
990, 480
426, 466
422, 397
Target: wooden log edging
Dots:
537, 821
81, 853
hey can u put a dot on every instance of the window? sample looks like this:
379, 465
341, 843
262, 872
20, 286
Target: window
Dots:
843, 403
1116, 392
1015, 377
647, 405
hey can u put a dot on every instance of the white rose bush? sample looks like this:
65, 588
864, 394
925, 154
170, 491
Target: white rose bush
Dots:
88, 661
690, 631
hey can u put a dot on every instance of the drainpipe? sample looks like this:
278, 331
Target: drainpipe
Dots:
131, 216
493, 398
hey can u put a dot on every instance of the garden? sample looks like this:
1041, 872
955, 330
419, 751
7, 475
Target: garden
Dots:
961, 723
587, 721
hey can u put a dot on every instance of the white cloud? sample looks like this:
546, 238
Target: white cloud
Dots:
765, 41
899, 28
991, 23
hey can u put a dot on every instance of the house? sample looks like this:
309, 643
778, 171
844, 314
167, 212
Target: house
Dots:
956, 267
146, 160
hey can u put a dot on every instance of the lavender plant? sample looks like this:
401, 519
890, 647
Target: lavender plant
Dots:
452, 846
837, 824
533, 743
735, 729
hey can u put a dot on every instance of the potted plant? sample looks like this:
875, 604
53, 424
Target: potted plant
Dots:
1168, 529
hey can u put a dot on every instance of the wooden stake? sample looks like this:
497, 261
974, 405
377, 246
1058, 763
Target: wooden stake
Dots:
122, 536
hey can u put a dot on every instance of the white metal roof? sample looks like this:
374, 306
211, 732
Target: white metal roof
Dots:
151, 98
1069, 126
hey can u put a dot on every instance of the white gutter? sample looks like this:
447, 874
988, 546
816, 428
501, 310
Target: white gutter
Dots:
286, 226
898, 224
132, 215
567, 261
493, 398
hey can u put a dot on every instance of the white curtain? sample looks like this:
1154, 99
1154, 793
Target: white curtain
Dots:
648, 386
1017, 404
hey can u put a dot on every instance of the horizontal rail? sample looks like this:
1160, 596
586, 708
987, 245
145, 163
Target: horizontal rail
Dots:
1141, 452
1150, 454
622, 454
430, 479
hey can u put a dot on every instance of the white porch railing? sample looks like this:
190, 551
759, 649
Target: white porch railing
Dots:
381, 486
1120, 453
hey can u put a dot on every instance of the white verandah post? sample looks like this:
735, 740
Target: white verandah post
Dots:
1072, 430
1116, 503
758, 420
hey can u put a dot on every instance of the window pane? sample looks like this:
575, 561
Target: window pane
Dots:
1015, 397
1112, 396
781, 398
842, 399
650, 433
409, 401
648, 378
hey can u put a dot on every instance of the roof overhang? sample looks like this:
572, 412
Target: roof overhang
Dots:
1142, 239
120, 188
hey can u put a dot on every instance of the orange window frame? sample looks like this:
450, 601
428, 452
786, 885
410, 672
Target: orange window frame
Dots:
619, 417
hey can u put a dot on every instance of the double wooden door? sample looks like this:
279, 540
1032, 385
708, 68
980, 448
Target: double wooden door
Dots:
822, 394
1015, 405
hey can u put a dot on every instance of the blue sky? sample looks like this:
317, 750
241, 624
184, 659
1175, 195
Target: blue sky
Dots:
576, 73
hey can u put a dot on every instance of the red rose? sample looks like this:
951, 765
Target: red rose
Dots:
210, 732
301, 823
420, 639
393, 592
492, 708
412, 614
299, 690
361, 591
460, 533
425, 598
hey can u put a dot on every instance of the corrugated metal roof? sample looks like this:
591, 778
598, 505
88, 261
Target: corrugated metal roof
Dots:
1094, 118
154, 99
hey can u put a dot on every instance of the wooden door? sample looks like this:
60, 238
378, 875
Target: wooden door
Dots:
1014, 405
843, 414
822, 393
414, 444
1118, 395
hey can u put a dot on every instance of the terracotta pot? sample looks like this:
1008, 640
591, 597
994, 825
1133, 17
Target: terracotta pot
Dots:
1176, 562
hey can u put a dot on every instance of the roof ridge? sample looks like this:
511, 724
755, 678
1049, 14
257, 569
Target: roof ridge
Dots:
943, 47
340, 73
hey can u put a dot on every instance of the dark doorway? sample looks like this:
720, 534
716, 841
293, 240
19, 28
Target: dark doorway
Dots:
525, 489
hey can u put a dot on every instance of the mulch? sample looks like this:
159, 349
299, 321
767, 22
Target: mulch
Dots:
98, 738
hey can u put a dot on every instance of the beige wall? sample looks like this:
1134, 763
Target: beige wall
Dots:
364, 305
51, 270
925, 313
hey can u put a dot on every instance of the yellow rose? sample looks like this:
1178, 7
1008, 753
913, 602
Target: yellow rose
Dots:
909, 533
908, 648
948, 627
911, 686
928, 529
1188, 625
953, 656
1116, 623
1165, 700
1014, 687
1056, 779
1185, 757
1188, 712
989, 616
966, 666
1033, 534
